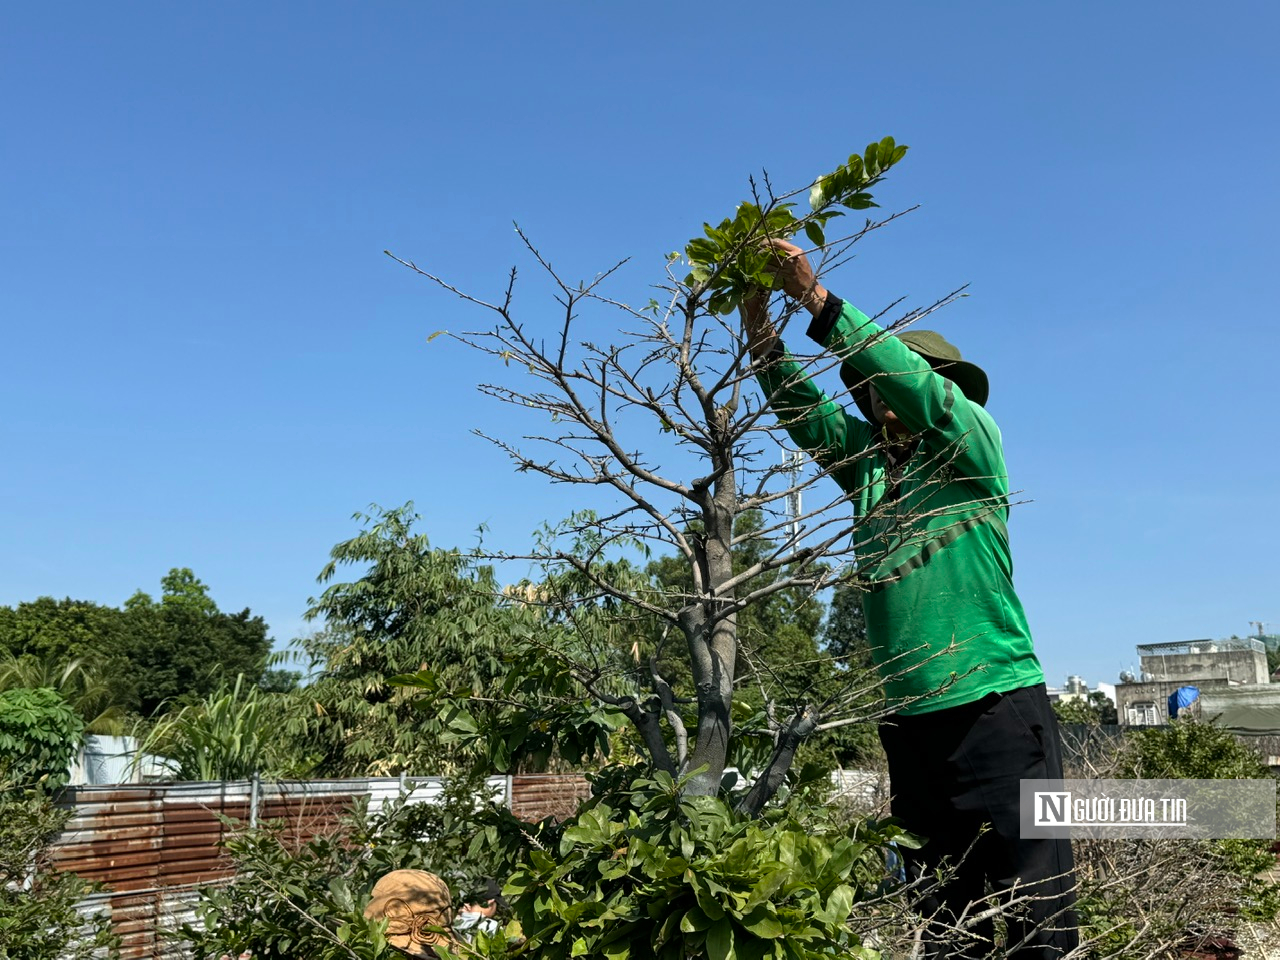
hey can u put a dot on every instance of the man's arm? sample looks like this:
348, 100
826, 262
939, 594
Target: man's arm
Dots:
815, 423
924, 400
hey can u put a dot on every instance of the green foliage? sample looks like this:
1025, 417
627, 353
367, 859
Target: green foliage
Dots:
641, 871
728, 262
230, 735
183, 647
38, 917
1094, 711
538, 710
39, 737
1190, 749
280, 681
1225, 878
844, 635
650, 872
148, 654
412, 608
1251, 862
844, 640
290, 901
1193, 749
84, 685
183, 590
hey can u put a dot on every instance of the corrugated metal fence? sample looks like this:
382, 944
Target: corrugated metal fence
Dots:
155, 845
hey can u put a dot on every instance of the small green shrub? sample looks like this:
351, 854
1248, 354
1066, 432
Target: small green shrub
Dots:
39, 737
38, 917
653, 873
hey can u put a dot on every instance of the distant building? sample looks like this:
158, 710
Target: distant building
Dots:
1269, 640
1074, 689
1207, 665
110, 760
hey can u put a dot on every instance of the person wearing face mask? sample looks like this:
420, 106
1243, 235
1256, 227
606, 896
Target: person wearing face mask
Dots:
923, 469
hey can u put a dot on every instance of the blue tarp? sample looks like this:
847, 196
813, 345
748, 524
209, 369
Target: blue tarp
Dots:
1182, 698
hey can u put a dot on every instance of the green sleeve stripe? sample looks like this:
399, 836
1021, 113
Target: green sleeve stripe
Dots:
929, 551
948, 405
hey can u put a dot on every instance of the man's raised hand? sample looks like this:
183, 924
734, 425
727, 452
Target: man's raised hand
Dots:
760, 333
797, 276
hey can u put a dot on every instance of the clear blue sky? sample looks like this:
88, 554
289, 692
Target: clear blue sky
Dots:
210, 363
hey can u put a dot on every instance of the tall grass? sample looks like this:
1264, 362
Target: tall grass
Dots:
225, 737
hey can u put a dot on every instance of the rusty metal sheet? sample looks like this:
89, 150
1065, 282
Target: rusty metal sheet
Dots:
155, 845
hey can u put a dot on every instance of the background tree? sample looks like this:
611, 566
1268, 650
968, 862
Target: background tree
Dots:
147, 653
59, 631
1094, 710
413, 606
184, 647
844, 635
681, 373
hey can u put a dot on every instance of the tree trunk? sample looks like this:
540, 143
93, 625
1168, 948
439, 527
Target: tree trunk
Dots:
713, 643
802, 725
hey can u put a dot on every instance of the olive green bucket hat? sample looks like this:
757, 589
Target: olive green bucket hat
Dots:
942, 356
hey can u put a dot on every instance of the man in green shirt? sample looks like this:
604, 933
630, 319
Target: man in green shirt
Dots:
925, 474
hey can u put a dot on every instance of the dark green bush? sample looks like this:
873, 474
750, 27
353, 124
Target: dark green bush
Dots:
647, 872
39, 737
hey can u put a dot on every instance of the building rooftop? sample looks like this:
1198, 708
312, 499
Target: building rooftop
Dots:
1199, 646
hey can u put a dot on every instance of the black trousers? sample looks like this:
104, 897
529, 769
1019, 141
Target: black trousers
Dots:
953, 773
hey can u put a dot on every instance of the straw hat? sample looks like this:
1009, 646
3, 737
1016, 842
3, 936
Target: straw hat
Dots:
418, 909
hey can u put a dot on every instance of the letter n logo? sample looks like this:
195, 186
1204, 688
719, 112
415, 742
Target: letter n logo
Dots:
1052, 809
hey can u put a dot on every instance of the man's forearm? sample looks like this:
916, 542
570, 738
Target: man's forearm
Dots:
762, 336
763, 341
814, 300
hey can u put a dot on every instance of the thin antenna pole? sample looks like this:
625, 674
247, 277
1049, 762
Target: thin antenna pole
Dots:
793, 461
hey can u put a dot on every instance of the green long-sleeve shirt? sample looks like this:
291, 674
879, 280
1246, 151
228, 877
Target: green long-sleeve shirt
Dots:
943, 620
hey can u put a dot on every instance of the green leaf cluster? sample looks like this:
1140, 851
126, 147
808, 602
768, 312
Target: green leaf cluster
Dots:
39, 919
532, 714
847, 185
81, 683
1094, 711
39, 737
288, 901
728, 263
648, 872
412, 607
1189, 749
